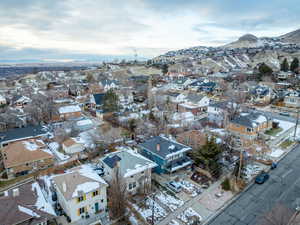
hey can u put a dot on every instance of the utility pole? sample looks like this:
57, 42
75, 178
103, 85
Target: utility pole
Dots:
152, 219
297, 121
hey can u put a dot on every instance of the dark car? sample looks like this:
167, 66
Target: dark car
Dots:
284, 114
261, 178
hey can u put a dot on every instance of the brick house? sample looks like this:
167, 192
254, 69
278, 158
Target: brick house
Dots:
193, 138
247, 126
69, 111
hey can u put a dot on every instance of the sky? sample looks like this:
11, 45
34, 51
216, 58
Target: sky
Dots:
63, 30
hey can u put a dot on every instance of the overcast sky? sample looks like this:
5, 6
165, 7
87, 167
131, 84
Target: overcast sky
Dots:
86, 29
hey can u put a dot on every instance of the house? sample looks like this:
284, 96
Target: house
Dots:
72, 145
207, 87
262, 94
134, 169
218, 112
20, 100
25, 204
248, 126
168, 154
193, 138
194, 103
183, 118
81, 192
69, 112
2, 100
24, 133
23, 157
181, 83
107, 84
97, 100
292, 99
83, 125
284, 75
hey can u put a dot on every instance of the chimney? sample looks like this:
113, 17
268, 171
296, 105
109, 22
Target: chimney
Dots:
64, 186
15, 192
158, 147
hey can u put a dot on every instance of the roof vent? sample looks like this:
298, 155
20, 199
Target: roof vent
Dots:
15, 192
64, 186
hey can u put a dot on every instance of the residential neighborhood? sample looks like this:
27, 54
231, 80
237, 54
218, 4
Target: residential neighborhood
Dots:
204, 135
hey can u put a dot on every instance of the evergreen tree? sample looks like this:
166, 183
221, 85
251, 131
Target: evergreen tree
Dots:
284, 65
207, 155
264, 69
294, 64
165, 69
111, 101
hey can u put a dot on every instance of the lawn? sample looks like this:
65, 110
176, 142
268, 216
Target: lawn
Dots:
286, 144
273, 131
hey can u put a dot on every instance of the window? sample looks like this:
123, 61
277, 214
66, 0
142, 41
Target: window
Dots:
101, 200
95, 193
81, 210
143, 172
131, 185
80, 199
249, 129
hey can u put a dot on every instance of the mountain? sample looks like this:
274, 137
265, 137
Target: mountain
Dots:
245, 53
292, 37
246, 41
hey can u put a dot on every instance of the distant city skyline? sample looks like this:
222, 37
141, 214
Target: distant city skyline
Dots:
55, 30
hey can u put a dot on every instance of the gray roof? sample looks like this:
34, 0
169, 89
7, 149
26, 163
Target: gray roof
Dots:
194, 98
221, 105
249, 119
22, 133
128, 161
166, 146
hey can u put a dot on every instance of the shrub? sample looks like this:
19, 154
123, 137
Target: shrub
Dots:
226, 184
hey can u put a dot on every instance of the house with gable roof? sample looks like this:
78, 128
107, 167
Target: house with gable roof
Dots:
107, 84
249, 125
134, 168
81, 192
25, 204
168, 154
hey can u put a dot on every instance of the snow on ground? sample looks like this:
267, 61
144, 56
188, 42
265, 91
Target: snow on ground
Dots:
276, 153
169, 201
174, 222
219, 131
146, 212
251, 170
190, 188
133, 220
285, 125
54, 146
189, 216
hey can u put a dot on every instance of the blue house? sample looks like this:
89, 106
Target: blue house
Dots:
168, 154
207, 87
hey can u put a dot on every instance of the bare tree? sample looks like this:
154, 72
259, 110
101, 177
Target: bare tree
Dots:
117, 194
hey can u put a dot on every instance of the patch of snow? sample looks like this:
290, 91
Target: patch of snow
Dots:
31, 146
41, 203
28, 211
188, 215
54, 146
85, 188
169, 201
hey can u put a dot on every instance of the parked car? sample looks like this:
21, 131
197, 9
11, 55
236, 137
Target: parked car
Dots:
261, 178
284, 114
174, 186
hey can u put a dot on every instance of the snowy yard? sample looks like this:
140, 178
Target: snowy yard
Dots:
190, 188
189, 216
284, 125
145, 210
169, 201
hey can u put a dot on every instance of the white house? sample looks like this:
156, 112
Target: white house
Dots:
134, 168
72, 145
107, 84
81, 193
2, 100
69, 111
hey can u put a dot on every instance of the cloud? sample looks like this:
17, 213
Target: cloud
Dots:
116, 27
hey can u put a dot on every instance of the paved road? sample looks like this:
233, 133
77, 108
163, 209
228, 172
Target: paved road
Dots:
283, 187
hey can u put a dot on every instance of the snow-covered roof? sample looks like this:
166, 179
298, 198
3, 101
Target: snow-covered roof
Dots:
69, 109
77, 181
129, 161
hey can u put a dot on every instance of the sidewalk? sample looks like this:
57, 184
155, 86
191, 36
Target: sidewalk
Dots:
191, 203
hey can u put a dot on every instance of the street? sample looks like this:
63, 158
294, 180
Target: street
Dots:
250, 206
